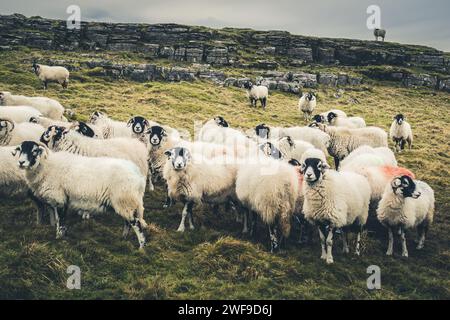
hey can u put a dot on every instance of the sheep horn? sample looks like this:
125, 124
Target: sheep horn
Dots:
10, 121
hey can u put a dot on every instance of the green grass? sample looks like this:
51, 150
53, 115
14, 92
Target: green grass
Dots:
215, 260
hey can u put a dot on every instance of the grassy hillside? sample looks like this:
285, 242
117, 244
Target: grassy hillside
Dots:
215, 260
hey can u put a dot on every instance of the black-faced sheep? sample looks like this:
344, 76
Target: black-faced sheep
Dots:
51, 74
257, 93
400, 132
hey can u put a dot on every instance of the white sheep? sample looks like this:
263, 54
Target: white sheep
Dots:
349, 122
400, 132
345, 140
257, 93
109, 128
19, 113
307, 104
192, 179
271, 189
406, 204
13, 183
367, 156
12, 134
324, 115
334, 200
68, 181
49, 108
311, 135
64, 139
52, 74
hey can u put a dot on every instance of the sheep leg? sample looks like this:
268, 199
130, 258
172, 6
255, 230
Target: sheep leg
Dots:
336, 163
245, 223
358, 242
402, 145
126, 229
190, 217
390, 248
64, 84
253, 217
264, 102
45, 85
322, 244
403, 238
422, 231
137, 228
184, 213
40, 208
345, 248
168, 203
60, 220
274, 238
330, 246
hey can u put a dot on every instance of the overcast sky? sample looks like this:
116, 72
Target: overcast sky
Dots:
406, 21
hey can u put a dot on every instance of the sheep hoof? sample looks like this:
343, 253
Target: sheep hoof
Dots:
405, 254
346, 250
419, 247
191, 227
389, 253
357, 253
330, 260
180, 229
323, 257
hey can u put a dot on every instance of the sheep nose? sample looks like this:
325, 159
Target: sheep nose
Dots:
21, 163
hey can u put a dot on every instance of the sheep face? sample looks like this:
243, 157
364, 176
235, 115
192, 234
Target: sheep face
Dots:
221, 121
270, 150
84, 129
309, 96
294, 162
318, 118
52, 135
313, 169
36, 68
156, 135
288, 140
138, 124
331, 116
262, 131
399, 119
180, 157
30, 154
95, 117
248, 85
405, 187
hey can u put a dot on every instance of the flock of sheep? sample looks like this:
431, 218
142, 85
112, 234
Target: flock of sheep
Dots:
276, 175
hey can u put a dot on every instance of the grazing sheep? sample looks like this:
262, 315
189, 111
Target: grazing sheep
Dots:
307, 104
349, 122
400, 132
63, 139
406, 204
19, 114
270, 188
192, 180
49, 108
257, 93
311, 135
68, 181
12, 134
51, 74
109, 128
334, 200
345, 140
13, 183
379, 33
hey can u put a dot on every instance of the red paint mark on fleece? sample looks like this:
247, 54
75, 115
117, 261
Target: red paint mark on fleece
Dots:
391, 171
300, 177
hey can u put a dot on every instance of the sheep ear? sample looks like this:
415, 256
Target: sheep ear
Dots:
168, 153
396, 183
164, 133
148, 131
130, 122
325, 166
146, 123
14, 152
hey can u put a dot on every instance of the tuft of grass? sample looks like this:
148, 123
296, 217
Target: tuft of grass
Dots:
215, 260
